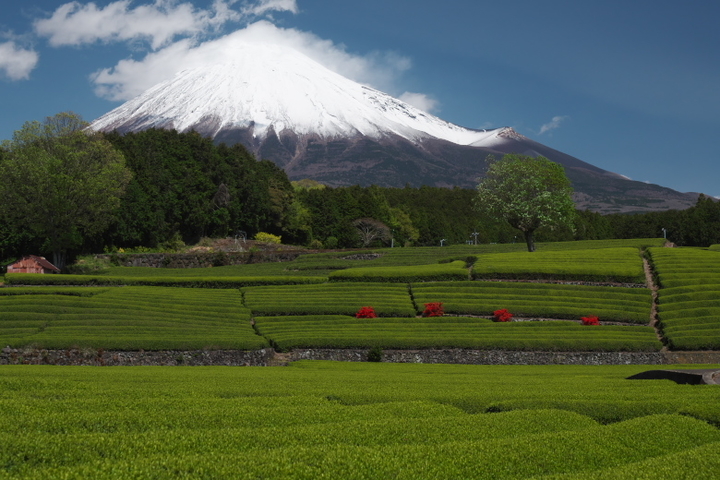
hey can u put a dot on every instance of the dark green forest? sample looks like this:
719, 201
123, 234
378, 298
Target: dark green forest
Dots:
184, 187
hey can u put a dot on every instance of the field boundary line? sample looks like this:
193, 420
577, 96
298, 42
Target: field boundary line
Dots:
654, 319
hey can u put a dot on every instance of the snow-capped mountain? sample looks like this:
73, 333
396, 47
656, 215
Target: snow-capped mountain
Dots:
275, 88
317, 124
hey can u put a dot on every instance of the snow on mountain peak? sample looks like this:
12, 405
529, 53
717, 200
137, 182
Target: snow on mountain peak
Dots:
268, 86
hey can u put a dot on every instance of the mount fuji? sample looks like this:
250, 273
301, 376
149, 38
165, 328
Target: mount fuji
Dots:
317, 124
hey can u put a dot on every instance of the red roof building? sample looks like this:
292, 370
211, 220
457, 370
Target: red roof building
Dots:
32, 264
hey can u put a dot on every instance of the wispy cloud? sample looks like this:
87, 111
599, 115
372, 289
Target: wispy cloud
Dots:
266, 6
16, 62
130, 77
553, 124
159, 23
181, 36
421, 101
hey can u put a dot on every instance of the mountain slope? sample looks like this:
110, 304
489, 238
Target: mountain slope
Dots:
317, 124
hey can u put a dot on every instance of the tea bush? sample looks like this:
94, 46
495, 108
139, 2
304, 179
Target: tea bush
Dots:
127, 318
333, 298
455, 270
361, 420
688, 306
598, 265
543, 300
340, 331
157, 281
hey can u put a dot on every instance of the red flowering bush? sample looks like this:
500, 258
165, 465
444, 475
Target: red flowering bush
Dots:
502, 315
366, 312
590, 320
434, 309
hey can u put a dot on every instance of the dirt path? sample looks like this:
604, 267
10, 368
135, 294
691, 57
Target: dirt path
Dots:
654, 320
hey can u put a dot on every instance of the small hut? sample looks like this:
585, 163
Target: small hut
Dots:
32, 264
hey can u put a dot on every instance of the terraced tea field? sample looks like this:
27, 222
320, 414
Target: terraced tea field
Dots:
598, 265
455, 270
617, 304
366, 420
126, 318
689, 302
301, 308
354, 421
338, 331
346, 299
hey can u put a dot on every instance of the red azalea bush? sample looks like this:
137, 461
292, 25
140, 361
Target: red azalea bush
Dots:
366, 312
502, 315
434, 309
590, 320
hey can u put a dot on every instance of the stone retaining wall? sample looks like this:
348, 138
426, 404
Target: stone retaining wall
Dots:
499, 357
265, 357
99, 357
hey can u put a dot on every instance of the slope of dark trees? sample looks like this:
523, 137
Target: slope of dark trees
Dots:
186, 187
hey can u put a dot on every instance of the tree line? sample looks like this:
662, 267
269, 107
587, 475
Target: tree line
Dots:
172, 186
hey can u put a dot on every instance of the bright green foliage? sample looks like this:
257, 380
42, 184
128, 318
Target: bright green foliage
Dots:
328, 299
268, 238
337, 331
695, 463
446, 271
538, 300
599, 265
689, 302
127, 318
61, 182
363, 420
528, 193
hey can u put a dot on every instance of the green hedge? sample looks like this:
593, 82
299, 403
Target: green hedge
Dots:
688, 303
538, 300
49, 290
337, 331
160, 281
332, 298
455, 270
599, 265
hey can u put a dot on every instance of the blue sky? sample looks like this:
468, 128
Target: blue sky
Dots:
630, 86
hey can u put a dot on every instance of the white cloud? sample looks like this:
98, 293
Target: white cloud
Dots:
182, 36
130, 77
74, 24
420, 100
264, 6
553, 124
16, 62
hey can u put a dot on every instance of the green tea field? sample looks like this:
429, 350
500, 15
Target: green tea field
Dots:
367, 420
311, 302
354, 421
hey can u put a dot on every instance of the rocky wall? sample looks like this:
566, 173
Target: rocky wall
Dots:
499, 357
100, 357
268, 357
